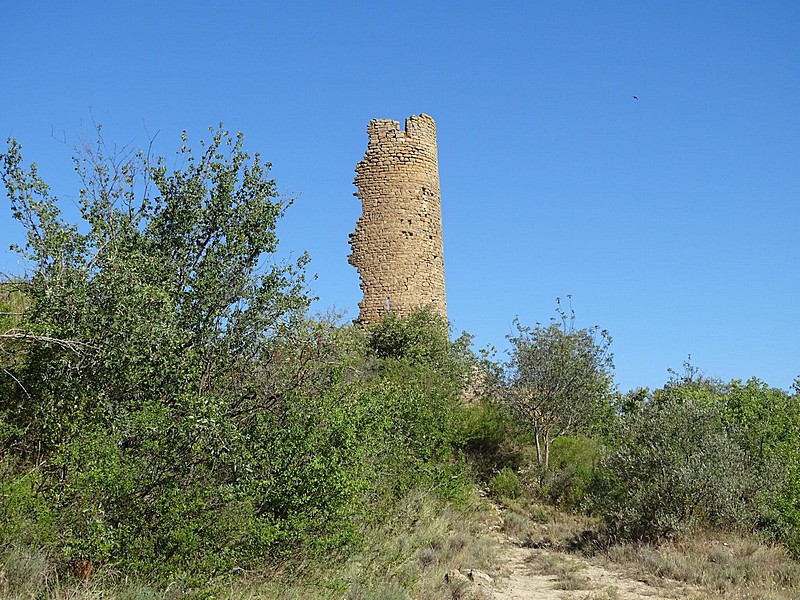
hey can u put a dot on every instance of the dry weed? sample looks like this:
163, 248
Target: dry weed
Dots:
730, 566
611, 593
535, 525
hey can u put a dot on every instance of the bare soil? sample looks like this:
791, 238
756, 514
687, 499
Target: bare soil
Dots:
525, 570
525, 573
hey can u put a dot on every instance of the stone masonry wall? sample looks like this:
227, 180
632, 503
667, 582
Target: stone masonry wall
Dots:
397, 244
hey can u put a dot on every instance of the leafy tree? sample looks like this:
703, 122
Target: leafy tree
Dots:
164, 294
558, 379
140, 395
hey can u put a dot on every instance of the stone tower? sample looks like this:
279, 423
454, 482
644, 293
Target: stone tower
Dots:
397, 244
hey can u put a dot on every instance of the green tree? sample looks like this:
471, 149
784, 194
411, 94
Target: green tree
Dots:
163, 291
557, 380
147, 329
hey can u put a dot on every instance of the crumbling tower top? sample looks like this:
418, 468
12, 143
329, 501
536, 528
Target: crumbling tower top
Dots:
397, 245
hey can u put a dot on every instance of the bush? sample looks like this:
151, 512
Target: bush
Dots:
492, 439
415, 434
417, 350
766, 421
422, 374
505, 484
673, 466
572, 466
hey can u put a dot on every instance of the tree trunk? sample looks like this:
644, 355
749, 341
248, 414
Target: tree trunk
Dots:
539, 456
546, 452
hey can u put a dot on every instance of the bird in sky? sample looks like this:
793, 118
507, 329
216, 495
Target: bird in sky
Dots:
636, 97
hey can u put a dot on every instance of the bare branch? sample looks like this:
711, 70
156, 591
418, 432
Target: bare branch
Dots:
18, 334
19, 383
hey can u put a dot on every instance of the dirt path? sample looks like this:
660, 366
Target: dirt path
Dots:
528, 573
544, 575
524, 573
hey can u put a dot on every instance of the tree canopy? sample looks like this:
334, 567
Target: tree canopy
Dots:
557, 378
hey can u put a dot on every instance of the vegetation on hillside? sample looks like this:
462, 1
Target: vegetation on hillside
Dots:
170, 412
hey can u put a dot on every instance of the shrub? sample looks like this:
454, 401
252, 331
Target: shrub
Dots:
766, 421
674, 465
417, 350
493, 440
572, 465
505, 484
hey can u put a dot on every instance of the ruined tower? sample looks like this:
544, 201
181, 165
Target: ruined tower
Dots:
397, 244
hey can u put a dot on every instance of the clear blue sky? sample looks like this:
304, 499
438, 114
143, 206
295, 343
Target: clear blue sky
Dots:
671, 219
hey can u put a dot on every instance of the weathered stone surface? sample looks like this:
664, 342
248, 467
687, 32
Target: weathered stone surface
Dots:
397, 245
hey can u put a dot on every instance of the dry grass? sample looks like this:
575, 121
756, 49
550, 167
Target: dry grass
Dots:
611, 593
23, 571
729, 566
723, 565
565, 570
535, 525
424, 541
